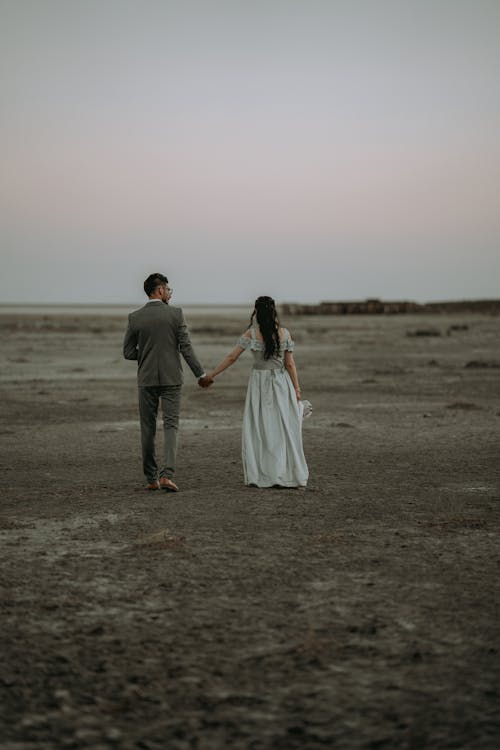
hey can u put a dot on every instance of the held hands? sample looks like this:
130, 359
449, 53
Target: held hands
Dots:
205, 382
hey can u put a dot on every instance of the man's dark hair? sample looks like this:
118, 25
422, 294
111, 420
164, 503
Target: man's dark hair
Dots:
154, 280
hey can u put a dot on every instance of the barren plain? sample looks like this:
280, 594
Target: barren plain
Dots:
362, 613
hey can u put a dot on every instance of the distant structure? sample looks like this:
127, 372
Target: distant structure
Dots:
381, 307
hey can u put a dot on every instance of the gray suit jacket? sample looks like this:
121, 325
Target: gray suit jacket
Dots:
156, 336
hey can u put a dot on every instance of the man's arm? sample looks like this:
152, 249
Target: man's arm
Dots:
130, 343
187, 350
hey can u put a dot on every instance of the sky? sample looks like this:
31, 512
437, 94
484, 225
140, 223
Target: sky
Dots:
306, 149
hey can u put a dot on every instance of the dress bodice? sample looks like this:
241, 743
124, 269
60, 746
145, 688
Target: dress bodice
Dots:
276, 362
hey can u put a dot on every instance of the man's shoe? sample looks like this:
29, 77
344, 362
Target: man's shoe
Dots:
167, 485
153, 486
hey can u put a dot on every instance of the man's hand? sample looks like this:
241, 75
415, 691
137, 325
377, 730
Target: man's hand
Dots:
205, 381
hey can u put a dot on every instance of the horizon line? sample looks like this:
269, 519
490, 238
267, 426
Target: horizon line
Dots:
245, 304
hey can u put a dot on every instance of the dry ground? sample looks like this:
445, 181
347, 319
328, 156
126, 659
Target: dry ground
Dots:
362, 613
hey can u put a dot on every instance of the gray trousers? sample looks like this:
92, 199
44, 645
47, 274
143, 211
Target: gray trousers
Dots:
149, 398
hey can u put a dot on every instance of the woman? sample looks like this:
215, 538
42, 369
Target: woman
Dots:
272, 422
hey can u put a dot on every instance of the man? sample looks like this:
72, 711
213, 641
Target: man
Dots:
155, 336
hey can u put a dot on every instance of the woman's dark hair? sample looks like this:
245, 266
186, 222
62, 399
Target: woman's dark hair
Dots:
267, 318
154, 280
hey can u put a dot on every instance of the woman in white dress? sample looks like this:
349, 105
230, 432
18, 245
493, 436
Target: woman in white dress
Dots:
272, 421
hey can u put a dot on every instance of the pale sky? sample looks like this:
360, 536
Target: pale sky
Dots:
305, 149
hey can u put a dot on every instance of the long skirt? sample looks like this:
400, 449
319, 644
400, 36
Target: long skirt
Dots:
272, 432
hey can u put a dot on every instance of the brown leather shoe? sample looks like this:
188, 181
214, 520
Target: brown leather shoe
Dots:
167, 485
153, 486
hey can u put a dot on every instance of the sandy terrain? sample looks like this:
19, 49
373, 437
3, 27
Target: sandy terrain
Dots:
362, 613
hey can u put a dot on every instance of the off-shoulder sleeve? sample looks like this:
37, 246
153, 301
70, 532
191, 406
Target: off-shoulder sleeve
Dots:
244, 342
289, 344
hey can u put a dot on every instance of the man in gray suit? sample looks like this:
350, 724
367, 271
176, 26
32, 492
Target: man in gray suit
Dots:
156, 336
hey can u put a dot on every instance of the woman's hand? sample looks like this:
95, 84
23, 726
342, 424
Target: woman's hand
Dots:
297, 393
205, 381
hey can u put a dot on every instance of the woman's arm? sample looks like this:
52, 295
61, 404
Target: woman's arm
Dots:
228, 360
292, 371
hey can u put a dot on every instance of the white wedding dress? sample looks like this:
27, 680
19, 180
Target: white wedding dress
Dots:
272, 421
